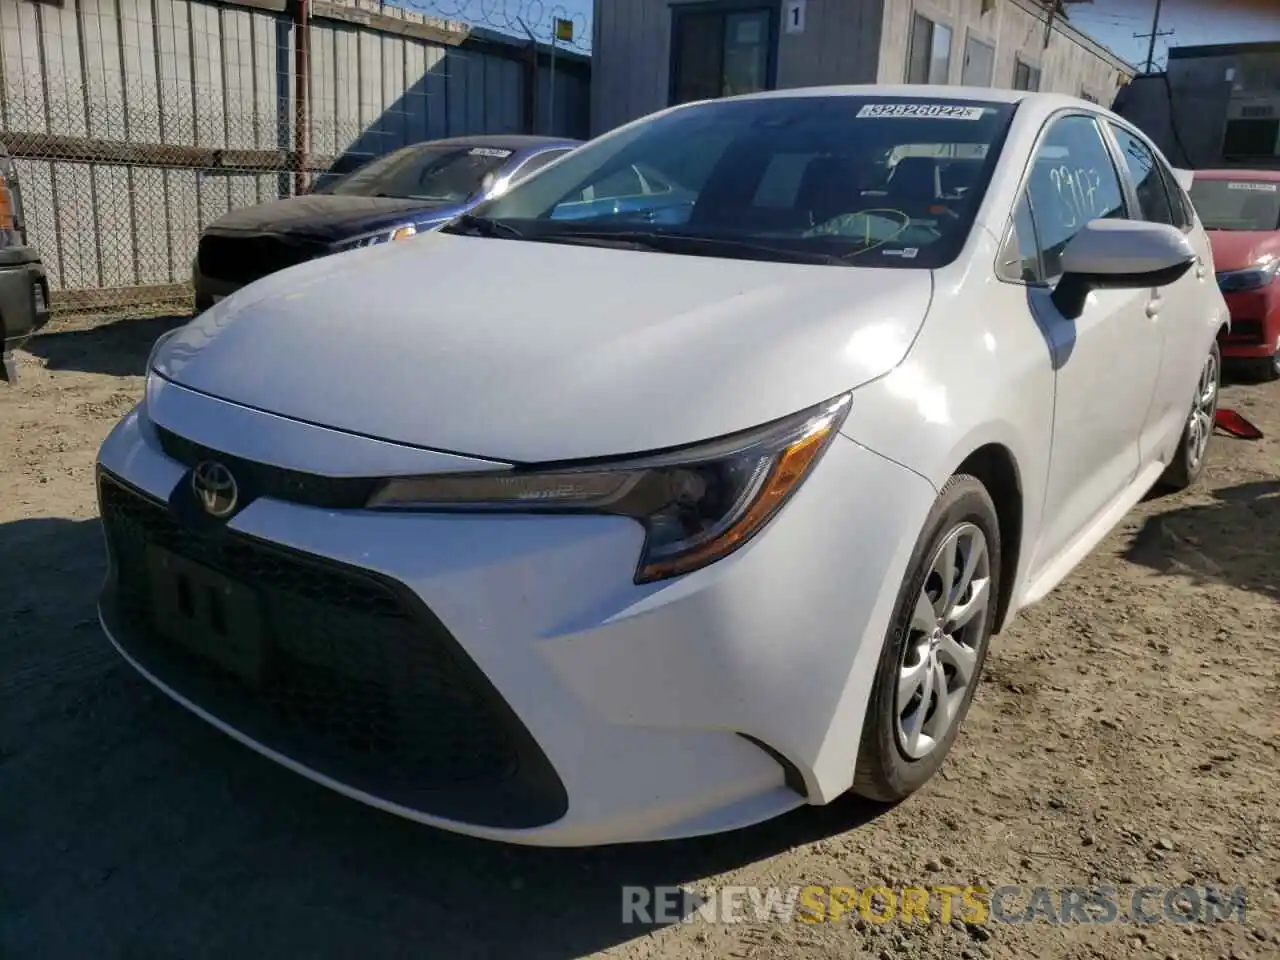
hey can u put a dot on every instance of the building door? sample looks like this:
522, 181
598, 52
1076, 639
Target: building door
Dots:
979, 63
721, 53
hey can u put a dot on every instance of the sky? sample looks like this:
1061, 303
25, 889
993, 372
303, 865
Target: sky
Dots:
1193, 22
1111, 22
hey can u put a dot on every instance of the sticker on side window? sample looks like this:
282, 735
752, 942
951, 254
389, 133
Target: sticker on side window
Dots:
933, 111
1260, 187
490, 152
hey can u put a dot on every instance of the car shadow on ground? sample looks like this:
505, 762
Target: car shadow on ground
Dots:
1233, 540
116, 348
130, 825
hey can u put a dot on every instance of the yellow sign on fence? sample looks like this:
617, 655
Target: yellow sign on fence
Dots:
564, 30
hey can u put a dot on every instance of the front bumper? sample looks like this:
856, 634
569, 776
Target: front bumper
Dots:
24, 296
1255, 324
582, 709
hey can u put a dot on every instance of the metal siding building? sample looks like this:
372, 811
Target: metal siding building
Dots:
648, 54
1215, 106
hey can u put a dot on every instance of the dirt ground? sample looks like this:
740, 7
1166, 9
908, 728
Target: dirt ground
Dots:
1127, 733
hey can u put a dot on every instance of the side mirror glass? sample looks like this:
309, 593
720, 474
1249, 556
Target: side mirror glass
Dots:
1120, 254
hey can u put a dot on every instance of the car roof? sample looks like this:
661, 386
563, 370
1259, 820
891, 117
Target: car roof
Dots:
1270, 176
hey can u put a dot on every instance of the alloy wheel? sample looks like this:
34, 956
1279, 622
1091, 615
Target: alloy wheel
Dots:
940, 657
1203, 410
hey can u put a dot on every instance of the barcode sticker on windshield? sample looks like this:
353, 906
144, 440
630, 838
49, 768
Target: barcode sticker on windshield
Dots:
489, 152
1260, 187
933, 111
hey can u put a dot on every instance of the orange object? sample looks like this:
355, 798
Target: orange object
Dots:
6, 205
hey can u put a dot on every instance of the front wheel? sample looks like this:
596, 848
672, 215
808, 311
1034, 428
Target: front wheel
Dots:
1193, 450
936, 645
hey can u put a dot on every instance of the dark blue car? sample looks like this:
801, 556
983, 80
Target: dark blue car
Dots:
411, 190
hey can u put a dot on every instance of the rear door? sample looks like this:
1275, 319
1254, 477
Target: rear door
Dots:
1181, 310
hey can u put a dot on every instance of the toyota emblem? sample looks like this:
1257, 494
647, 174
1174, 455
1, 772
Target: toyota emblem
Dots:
215, 488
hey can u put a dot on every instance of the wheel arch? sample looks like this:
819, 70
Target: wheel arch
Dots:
995, 466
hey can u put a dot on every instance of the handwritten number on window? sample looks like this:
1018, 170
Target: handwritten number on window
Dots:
1077, 193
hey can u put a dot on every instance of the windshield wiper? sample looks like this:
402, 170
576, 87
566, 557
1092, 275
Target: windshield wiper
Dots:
687, 244
483, 226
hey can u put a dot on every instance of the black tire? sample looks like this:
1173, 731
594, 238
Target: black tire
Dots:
203, 302
1266, 370
885, 772
1184, 470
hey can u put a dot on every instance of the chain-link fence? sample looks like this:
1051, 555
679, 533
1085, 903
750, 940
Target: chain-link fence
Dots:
136, 123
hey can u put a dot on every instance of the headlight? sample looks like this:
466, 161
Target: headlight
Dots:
155, 348
402, 232
1252, 278
697, 504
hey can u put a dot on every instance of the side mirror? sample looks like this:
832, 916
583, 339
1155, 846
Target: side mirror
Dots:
1120, 254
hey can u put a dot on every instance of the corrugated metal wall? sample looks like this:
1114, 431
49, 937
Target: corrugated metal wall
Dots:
139, 121
847, 41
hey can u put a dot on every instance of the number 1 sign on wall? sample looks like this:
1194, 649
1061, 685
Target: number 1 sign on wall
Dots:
794, 21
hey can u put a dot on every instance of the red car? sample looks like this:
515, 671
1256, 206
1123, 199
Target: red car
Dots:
1240, 209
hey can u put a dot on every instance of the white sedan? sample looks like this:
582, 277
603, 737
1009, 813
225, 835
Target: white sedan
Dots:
666, 520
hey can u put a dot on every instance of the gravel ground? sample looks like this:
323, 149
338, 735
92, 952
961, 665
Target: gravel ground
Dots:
1127, 734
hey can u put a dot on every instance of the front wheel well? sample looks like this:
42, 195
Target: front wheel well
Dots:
993, 465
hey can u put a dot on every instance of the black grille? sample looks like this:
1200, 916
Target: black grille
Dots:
243, 259
278, 483
1244, 332
356, 679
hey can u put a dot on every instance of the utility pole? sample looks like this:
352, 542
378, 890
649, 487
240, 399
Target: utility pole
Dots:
1154, 35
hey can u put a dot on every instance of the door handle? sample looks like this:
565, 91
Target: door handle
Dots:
1201, 270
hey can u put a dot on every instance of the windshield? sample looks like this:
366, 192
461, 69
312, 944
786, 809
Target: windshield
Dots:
854, 181
1237, 204
445, 173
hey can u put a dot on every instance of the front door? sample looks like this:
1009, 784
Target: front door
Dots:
1107, 360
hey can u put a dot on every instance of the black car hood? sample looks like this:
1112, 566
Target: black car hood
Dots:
330, 217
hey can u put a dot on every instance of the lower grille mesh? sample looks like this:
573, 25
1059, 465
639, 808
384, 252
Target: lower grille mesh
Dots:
352, 681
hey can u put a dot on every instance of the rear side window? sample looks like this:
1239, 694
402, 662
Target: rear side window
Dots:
1183, 211
1154, 203
1072, 181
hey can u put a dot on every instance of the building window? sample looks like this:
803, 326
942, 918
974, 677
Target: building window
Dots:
1025, 76
979, 63
930, 57
1251, 140
721, 53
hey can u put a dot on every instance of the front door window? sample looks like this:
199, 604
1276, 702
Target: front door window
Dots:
720, 54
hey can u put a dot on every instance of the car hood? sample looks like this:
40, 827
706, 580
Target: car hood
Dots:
328, 217
1238, 249
535, 352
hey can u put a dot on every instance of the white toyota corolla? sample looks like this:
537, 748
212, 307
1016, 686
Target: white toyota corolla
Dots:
682, 485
